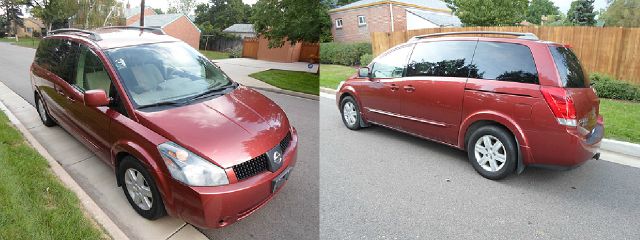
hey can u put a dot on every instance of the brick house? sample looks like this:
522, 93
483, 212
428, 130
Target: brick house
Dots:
176, 25
356, 21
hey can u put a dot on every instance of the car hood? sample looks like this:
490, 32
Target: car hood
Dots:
226, 130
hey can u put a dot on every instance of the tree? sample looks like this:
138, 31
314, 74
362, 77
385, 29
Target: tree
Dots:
344, 2
12, 14
158, 11
622, 13
539, 8
182, 6
222, 13
489, 12
54, 12
292, 20
581, 13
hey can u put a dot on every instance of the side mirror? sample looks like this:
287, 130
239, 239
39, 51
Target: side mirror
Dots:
363, 72
96, 98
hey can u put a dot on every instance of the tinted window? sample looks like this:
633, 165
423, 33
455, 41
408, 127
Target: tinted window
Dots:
444, 59
46, 54
569, 67
90, 72
392, 64
504, 62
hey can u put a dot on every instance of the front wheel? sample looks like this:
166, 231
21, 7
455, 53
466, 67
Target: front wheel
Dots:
492, 152
350, 113
140, 189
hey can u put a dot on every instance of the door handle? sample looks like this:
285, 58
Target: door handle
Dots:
394, 87
409, 88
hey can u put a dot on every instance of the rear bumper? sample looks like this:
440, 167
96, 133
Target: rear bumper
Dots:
216, 207
564, 150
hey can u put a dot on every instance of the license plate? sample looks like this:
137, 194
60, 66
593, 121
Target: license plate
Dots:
277, 182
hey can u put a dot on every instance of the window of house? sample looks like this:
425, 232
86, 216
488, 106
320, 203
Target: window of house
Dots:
29, 30
339, 23
362, 20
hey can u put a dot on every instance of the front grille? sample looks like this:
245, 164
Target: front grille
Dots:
251, 167
258, 164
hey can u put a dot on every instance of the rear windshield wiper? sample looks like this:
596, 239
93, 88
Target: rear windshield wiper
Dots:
159, 104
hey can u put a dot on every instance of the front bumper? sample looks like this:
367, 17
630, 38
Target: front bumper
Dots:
216, 207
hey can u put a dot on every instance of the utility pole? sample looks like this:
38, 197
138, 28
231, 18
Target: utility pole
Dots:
142, 13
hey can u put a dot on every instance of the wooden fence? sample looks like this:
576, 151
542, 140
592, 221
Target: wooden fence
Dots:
310, 52
614, 51
250, 47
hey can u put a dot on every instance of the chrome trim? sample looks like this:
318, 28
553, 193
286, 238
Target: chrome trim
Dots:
406, 117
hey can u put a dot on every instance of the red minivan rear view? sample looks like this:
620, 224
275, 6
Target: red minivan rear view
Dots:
509, 102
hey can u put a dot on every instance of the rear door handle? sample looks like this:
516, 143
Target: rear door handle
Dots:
394, 87
409, 88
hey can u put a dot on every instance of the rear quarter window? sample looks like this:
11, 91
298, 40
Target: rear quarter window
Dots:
571, 72
509, 62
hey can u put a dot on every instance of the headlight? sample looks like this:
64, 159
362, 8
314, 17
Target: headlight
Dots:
190, 168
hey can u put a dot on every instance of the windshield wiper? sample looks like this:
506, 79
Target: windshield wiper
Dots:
212, 92
158, 104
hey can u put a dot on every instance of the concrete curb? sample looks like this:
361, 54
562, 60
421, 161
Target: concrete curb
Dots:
89, 205
626, 148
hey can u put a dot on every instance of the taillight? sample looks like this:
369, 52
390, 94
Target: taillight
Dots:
561, 105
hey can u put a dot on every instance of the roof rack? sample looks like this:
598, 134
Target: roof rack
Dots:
157, 31
92, 35
520, 35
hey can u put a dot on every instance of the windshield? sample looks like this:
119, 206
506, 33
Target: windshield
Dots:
569, 67
161, 73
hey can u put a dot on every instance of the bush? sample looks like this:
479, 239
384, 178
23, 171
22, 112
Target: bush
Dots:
236, 52
608, 87
348, 54
366, 59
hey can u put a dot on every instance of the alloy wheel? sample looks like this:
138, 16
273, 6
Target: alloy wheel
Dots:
138, 189
349, 113
490, 153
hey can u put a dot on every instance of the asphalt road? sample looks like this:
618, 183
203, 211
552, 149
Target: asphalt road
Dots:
292, 214
380, 184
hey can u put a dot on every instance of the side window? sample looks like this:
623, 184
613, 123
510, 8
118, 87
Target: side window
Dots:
46, 54
392, 64
90, 72
504, 62
442, 59
65, 55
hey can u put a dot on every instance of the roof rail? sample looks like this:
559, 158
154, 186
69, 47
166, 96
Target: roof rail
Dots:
157, 31
520, 35
92, 35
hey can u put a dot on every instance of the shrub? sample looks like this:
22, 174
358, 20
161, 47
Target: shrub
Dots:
608, 87
366, 59
236, 52
343, 53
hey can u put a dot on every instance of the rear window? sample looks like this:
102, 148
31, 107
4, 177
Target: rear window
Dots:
569, 68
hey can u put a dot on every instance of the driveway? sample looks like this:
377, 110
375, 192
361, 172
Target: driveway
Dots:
239, 69
292, 214
381, 184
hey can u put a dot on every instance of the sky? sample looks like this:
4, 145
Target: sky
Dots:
564, 5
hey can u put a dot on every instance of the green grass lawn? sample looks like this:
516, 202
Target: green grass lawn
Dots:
214, 54
25, 42
33, 202
621, 120
303, 82
332, 75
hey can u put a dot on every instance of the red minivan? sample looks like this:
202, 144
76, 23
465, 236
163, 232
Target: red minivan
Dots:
509, 102
182, 137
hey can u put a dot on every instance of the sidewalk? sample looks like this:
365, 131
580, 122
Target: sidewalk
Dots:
239, 70
94, 176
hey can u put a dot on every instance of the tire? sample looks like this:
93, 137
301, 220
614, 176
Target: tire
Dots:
152, 208
45, 117
497, 162
352, 119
